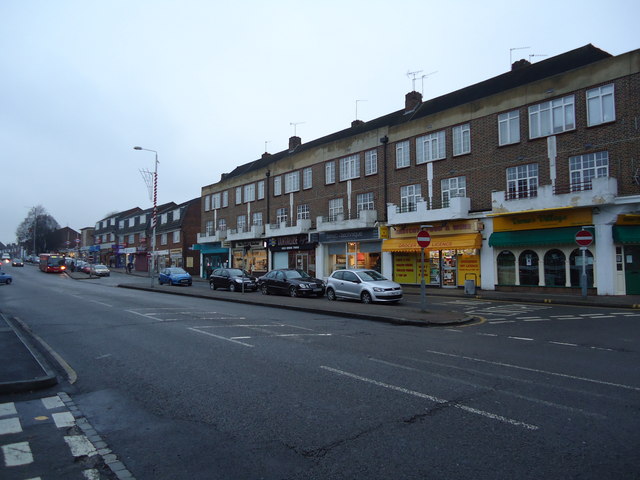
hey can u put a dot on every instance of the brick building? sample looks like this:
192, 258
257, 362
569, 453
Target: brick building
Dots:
176, 231
503, 172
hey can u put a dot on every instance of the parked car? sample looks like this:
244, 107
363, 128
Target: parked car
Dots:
232, 278
5, 278
17, 262
292, 282
100, 270
174, 276
83, 267
362, 284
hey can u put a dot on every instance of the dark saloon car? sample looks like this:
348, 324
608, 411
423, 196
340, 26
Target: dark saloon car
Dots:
17, 262
292, 282
174, 276
232, 278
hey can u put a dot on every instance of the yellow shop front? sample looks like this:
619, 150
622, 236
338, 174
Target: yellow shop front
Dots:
452, 257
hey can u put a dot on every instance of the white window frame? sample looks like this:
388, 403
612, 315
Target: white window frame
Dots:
215, 201
207, 203
409, 196
282, 215
330, 172
132, 238
250, 192
601, 105
225, 199
371, 162
241, 223
208, 228
403, 156
522, 181
552, 117
509, 127
336, 207
163, 239
121, 224
176, 214
292, 182
303, 212
462, 139
431, 147
222, 224
349, 167
277, 185
307, 178
451, 188
583, 168
238, 195
261, 190
365, 201
176, 236
143, 218
257, 219
163, 218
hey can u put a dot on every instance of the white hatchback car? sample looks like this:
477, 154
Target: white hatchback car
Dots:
362, 284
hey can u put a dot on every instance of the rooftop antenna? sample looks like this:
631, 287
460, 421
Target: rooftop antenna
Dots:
536, 55
295, 125
511, 54
265, 144
357, 107
413, 80
422, 80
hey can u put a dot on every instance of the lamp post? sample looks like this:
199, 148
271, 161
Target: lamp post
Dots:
155, 212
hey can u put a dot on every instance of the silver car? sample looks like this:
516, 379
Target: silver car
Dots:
362, 284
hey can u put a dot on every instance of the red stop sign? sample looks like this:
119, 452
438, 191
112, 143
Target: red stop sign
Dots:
424, 239
584, 238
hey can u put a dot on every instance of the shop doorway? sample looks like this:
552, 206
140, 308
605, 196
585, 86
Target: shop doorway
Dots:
302, 261
632, 269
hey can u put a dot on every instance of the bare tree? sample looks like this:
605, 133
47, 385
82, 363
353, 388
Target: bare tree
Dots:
33, 230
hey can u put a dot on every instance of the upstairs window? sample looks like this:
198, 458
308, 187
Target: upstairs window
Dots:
583, 168
277, 185
462, 139
335, 209
307, 178
451, 188
555, 116
364, 201
257, 219
292, 182
431, 147
522, 181
250, 193
260, 189
282, 215
303, 212
349, 168
215, 201
509, 128
600, 105
402, 154
370, 162
330, 172
222, 224
238, 195
409, 196
225, 198
241, 223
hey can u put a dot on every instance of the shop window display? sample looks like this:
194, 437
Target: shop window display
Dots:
554, 269
575, 267
506, 268
528, 268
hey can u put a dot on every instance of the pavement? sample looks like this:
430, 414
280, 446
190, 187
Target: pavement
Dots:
24, 368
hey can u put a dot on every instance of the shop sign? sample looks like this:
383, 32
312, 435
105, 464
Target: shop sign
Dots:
353, 236
468, 268
290, 242
249, 243
383, 232
438, 228
175, 252
628, 219
545, 219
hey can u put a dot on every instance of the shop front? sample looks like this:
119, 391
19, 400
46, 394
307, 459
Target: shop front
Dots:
293, 251
212, 255
451, 257
351, 249
538, 250
626, 236
250, 255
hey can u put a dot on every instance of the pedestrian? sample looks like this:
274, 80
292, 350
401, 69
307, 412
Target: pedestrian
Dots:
129, 267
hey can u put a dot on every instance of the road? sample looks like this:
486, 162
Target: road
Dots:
188, 388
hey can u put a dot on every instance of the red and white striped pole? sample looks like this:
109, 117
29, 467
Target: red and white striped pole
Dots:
155, 214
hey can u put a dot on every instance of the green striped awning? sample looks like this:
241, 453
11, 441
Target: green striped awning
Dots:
529, 238
626, 233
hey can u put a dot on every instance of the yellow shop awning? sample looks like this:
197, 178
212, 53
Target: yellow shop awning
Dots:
439, 242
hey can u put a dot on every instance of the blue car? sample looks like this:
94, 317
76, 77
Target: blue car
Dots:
174, 276
5, 278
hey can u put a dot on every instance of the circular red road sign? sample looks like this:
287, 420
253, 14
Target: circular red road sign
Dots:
424, 239
584, 238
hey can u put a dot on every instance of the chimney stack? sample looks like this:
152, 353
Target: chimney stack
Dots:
356, 123
520, 64
294, 142
412, 100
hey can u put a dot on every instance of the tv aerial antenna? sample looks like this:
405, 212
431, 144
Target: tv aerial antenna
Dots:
511, 54
536, 55
413, 76
295, 125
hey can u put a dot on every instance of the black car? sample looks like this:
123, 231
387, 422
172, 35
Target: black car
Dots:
292, 282
232, 278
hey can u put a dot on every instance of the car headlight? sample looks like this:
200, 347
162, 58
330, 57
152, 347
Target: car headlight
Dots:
378, 289
304, 285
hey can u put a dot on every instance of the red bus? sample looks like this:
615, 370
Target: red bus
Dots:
52, 262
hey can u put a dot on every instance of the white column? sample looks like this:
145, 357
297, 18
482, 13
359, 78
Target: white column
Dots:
604, 268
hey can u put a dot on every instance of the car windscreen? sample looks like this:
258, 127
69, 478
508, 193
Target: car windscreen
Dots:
296, 274
175, 271
236, 272
371, 276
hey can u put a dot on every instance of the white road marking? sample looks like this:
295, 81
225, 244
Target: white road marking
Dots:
101, 303
535, 370
538, 320
488, 334
521, 338
106, 355
10, 425
64, 419
16, 454
222, 338
602, 348
431, 398
52, 402
7, 409
80, 446
454, 330
494, 322
565, 344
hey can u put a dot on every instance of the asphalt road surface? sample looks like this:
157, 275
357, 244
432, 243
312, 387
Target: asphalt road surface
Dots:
186, 388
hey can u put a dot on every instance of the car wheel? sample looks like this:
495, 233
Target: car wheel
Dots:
8, 281
293, 292
264, 290
366, 297
212, 286
232, 287
331, 295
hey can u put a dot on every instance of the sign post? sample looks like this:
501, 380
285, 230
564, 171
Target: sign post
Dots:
584, 238
423, 239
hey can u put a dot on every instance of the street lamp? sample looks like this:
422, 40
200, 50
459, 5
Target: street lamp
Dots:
155, 212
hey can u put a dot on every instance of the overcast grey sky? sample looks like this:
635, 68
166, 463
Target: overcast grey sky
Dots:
207, 83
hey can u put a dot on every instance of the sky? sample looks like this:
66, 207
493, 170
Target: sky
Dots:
211, 85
